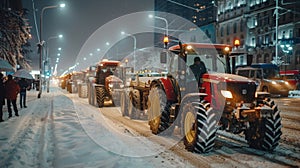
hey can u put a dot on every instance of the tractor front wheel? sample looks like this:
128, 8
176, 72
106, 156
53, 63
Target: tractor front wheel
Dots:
158, 110
134, 106
100, 93
124, 104
199, 126
265, 134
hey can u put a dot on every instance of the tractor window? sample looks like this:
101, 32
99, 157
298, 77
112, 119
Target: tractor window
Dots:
173, 69
252, 74
271, 73
244, 73
258, 74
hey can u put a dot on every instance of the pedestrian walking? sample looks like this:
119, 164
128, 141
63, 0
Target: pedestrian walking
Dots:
24, 86
2, 95
12, 90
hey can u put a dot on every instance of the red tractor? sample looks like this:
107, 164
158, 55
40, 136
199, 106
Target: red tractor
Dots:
223, 101
107, 85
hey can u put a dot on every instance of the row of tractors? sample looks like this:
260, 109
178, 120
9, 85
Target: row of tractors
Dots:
174, 98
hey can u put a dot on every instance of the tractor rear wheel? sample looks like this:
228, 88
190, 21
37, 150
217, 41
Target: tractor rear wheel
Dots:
199, 126
134, 106
124, 104
100, 93
265, 134
158, 110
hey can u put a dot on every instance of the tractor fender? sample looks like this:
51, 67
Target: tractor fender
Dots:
98, 85
190, 95
170, 88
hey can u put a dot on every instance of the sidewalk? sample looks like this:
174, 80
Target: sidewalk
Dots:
31, 96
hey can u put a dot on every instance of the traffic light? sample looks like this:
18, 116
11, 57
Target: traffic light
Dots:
47, 73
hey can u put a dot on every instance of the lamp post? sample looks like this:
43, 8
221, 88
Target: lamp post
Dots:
41, 43
134, 46
286, 48
47, 64
161, 18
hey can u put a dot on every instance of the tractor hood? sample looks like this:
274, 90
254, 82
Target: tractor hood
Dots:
216, 77
113, 79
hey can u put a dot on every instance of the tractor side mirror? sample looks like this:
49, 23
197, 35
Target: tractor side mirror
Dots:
163, 57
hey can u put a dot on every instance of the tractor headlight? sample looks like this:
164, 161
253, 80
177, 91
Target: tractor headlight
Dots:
226, 94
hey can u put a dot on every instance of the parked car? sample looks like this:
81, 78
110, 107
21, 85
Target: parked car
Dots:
293, 77
267, 78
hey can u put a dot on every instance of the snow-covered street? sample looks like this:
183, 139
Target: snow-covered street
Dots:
49, 133
62, 130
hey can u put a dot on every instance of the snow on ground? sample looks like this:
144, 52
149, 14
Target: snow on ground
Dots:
63, 130
55, 132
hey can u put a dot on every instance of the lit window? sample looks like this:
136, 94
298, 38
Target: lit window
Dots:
291, 33
283, 34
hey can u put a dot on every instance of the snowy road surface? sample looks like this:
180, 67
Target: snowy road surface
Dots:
62, 130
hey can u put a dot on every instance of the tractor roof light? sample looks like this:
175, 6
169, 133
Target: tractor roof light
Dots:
166, 39
236, 42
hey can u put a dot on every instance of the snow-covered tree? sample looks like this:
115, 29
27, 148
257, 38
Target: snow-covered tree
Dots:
14, 35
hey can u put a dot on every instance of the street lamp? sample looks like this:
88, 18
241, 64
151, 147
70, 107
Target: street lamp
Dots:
41, 43
134, 45
286, 48
46, 65
161, 18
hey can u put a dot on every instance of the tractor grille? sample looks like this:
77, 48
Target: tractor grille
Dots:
242, 91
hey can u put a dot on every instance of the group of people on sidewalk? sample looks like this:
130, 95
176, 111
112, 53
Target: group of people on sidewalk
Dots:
9, 90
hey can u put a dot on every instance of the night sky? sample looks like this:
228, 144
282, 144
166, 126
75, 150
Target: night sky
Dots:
77, 21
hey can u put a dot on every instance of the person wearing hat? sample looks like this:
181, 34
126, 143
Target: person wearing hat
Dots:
198, 68
1, 96
12, 89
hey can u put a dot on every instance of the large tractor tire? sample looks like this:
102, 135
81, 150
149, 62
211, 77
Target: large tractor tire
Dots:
199, 126
158, 110
134, 104
265, 134
124, 104
100, 93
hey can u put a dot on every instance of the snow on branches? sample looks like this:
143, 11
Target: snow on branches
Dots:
14, 35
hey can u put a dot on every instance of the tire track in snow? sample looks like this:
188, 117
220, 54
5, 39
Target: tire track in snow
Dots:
23, 136
46, 139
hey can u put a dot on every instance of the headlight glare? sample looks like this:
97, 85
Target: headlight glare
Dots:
226, 94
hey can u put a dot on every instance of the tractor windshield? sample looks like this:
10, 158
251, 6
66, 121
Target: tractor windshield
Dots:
212, 55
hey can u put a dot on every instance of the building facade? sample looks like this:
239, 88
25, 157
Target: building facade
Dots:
202, 13
253, 22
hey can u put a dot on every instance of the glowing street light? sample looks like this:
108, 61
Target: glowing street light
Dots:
41, 42
161, 18
134, 45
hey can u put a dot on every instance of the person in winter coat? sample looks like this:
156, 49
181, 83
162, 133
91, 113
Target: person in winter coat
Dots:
12, 89
198, 69
2, 95
23, 86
